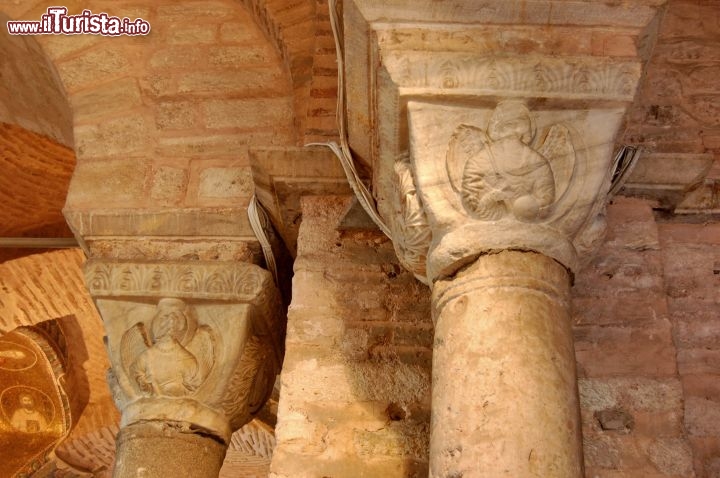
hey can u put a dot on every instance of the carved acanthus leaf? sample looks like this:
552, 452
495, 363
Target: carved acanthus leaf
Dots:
250, 384
240, 282
410, 229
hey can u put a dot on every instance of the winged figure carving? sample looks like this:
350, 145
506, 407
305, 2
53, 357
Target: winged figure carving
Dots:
175, 357
502, 171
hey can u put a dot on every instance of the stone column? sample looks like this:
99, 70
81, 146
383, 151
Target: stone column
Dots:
496, 225
194, 350
504, 397
490, 130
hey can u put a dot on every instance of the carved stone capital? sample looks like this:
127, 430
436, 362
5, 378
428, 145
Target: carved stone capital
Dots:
491, 125
503, 176
198, 344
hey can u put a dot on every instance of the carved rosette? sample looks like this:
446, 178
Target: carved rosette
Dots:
503, 177
198, 344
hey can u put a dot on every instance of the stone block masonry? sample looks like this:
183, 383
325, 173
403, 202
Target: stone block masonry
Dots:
691, 259
355, 397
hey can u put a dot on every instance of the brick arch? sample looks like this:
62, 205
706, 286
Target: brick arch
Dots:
292, 26
36, 138
301, 31
35, 172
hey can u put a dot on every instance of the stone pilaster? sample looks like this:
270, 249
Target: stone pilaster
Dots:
194, 349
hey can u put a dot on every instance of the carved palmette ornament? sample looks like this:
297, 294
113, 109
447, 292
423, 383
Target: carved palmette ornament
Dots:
587, 78
209, 361
410, 229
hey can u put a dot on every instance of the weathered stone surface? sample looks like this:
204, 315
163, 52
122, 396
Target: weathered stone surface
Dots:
172, 357
246, 113
615, 419
671, 456
521, 372
176, 115
225, 182
107, 99
355, 398
153, 449
92, 66
120, 136
193, 35
126, 186
168, 183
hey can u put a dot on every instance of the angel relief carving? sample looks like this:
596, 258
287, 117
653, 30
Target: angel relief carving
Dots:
176, 357
502, 171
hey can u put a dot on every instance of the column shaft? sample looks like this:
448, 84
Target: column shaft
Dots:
157, 449
504, 384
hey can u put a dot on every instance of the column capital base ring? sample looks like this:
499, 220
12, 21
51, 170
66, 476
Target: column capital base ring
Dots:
463, 244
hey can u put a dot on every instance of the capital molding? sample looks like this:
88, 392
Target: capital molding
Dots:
197, 344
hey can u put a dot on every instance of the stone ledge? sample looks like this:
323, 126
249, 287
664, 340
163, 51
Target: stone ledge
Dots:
667, 178
283, 175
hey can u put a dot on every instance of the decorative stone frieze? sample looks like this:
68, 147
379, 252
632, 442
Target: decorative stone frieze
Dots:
195, 344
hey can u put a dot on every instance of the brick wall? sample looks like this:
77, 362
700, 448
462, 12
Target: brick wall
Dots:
691, 258
355, 383
631, 395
